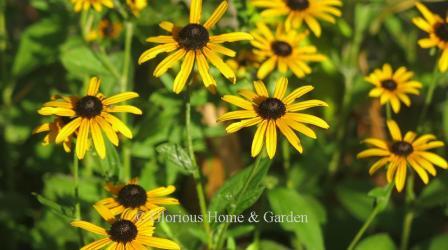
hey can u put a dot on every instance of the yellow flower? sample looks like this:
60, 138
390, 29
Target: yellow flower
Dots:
97, 4
134, 196
402, 151
270, 113
191, 43
106, 29
91, 116
137, 6
393, 87
437, 29
53, 129
133, 230
284, 49
298, 11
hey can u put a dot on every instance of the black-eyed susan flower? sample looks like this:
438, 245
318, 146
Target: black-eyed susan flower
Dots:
402, 152
134, 196
137, 6
96, 4
299, 11
437, 29
393, 87
52, 129
286, 50
193, 43
270, 113
105, 29
133, 230
91, 116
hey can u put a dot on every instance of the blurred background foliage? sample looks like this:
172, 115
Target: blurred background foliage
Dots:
43, 53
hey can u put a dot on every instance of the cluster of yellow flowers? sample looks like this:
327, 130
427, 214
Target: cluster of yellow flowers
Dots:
393, 88
86, 118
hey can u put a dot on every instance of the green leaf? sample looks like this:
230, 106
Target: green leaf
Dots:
352, 195
38, 45
286, 201
434, 194
382, 195
111, 165
438, 242
227, 195
266, 244
377, 241
177, 156
55, 207
80, 60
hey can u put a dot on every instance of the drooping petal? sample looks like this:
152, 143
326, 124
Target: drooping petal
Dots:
217, 15
257, 143
271, 138
68, 129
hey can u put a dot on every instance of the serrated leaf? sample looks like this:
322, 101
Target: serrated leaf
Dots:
176, 155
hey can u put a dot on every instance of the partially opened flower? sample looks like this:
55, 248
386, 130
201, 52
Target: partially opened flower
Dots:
106, 29
393, 87
52, 129
272, 113
132, 230
284, 50
402, 152
91, 116
134, 196
299, 11
193, 43
96, 4
137, 6
437, 29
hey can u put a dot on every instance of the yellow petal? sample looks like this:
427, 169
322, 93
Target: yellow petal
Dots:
257, 143
314, 25
236, 126
302, 128
373, 152
68, 129
56, 111
289, 134
260, 88
195, 11
231, 37
306, 105
125, 108
297, 93
203, 69
420, 171
105, 213
168, 62
161, 39
94, 85
98, 244
120, 98
377, 142
281, 85
394, 130
157, 242
42, 128
217, 15
239, 114
82, 142
266, 67
89, 227
117, 124
238, 101
433, 158
377, 165
153, 52
221, 49
161, 191
308, 119
184, 73
98, 138
108, 130
271, 138
400, 176
167, 26
219, 64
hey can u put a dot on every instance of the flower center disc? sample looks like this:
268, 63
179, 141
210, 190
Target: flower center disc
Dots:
132, 196
89, 106
123, 231
281, 48
402, 148
193, 36
298, 4
442, 31
271, 108
389, 84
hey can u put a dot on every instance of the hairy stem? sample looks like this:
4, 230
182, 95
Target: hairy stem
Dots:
197, 172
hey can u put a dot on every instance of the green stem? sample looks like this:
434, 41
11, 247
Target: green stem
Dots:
341, 125
77, 207
410, 214
124, 85
197, 172
286, 162
223, 230
364, 227
388, 111
429, 95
